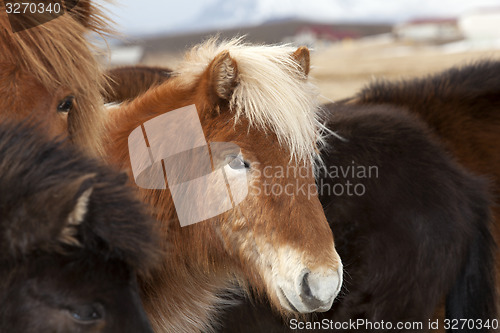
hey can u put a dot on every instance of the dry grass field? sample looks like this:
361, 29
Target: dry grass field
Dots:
342, 69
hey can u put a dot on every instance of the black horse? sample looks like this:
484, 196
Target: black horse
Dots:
72, 239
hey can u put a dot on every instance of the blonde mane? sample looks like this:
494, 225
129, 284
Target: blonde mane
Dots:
58, 54
272, 93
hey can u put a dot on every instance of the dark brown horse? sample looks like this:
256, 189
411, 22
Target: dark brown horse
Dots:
72, 239
462, 107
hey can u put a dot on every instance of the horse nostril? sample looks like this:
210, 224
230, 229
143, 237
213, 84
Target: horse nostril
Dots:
306, 290
318, 290
307, 296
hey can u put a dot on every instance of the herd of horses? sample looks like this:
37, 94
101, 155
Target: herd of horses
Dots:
84, 249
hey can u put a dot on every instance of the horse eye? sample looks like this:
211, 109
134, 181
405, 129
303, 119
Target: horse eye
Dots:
87, 312
66, 104
237, 162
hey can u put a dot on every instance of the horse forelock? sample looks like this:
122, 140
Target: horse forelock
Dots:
57, 54
273, 93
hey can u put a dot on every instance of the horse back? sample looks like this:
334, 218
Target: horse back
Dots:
462, 107
128, 82
421, 209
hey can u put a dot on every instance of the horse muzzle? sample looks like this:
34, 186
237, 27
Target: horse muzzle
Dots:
312, 292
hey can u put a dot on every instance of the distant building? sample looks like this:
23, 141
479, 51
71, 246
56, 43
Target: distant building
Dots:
440, 30
125, 55
312, 34
481, 24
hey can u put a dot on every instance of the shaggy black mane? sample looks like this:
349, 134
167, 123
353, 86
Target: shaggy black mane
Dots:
476, 82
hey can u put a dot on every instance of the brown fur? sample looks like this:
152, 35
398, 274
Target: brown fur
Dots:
127, 83
41, 65
303, 59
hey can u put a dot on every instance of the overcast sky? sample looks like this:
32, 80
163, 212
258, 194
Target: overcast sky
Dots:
154, 16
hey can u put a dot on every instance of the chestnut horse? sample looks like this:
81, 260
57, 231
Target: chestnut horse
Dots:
72, 238
256, 98
49, 73
459, 265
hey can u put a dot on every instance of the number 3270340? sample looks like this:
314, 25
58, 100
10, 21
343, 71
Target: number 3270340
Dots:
32, 8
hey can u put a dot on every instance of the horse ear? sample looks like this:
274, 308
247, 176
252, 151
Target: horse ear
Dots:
222, 76
301, 55
75, 218
33, 226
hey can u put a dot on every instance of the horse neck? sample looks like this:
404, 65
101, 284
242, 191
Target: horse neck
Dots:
183, 300
192, 277
188, 284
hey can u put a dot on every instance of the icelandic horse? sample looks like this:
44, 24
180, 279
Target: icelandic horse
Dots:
49, 73
256, 98
461, 107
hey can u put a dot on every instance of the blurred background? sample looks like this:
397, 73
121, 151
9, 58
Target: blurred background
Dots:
353, 41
